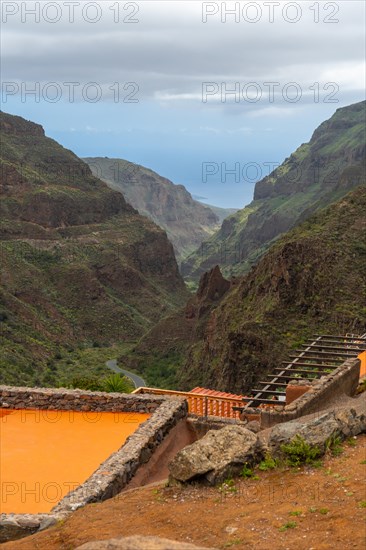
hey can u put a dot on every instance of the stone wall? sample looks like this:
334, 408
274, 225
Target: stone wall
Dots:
342, 381
76, 400
115, 472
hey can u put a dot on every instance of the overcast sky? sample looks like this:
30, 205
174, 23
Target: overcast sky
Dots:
146, 81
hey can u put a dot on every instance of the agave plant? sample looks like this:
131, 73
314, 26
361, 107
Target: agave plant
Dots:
116, 383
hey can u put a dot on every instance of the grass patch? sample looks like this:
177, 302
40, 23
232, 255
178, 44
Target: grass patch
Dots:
228, 486
233, 542
288, 525
269, 463
333, 444
248, 473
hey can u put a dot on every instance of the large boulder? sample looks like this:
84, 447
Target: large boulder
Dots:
318, 432
139, 543
218, 455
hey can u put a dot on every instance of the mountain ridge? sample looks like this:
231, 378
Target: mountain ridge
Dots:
316, 174
80, 265
232, 332
186, 221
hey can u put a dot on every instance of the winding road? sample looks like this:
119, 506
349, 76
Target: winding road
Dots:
137, 380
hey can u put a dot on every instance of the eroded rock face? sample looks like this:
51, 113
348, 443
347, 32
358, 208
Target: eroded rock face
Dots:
211, 289
140, 543
320, 431
186, 221
218, 455
212, 285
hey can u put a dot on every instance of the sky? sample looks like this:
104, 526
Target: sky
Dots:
212, 95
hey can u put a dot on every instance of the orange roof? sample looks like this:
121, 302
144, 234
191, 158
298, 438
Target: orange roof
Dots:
214, 393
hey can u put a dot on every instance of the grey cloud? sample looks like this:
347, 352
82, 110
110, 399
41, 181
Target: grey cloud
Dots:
174, 52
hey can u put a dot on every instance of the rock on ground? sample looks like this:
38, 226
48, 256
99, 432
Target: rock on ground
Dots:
140, 543
218, 455
318, 432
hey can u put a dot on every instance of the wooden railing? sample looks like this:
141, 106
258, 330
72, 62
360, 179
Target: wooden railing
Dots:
201, 404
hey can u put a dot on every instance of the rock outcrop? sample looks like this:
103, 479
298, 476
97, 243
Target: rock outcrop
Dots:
222, 453
217, 456
310, 281
171, 337
318, 433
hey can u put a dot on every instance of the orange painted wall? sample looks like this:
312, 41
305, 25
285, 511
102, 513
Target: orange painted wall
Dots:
45, 454
362, 356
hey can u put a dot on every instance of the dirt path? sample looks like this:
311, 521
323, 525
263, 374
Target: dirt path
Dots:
325, 503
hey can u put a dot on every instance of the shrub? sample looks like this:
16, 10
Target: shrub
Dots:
247, 472
299, 452
269, 463
333, 444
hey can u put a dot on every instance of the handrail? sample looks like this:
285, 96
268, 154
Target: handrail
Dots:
201, 404
183, 393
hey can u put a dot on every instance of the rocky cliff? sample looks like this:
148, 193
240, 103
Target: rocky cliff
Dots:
186, 221
80, 265
312, 280
315, 175
231, 333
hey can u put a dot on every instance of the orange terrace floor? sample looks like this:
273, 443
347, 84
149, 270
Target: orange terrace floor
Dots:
45, 454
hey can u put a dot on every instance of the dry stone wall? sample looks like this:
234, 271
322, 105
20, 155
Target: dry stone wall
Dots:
76, 400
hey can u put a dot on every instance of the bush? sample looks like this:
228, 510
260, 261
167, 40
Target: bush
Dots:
299, 452
247, 472
269, 463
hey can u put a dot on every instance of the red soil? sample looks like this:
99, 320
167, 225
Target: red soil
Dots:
327, 504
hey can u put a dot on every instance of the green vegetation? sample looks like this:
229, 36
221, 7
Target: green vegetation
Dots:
317, 174
228, 486
333, 444
80, 267
299, 452
248, 472
288, 525
269, 463
309, 282
233, 542
112, 383
117, 383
